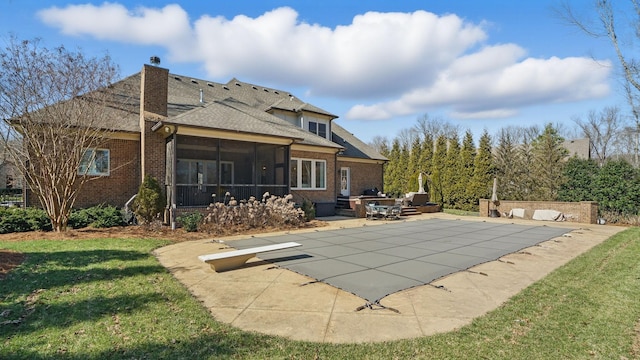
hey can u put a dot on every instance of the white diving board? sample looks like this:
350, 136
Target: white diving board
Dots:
234, 259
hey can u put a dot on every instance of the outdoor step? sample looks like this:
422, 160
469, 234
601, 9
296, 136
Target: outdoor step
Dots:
346, 212
409, 210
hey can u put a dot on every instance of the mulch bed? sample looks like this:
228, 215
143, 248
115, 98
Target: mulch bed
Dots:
10, 259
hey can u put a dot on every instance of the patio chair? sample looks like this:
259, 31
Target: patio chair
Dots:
372, 211
394, 212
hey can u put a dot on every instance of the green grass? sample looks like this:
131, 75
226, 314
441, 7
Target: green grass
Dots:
461, 212
110, 299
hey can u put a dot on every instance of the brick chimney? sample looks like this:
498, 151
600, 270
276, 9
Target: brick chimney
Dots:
153, 108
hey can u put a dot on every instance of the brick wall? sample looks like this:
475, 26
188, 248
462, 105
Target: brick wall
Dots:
363, 176
123, 180
582, 212
318, 196
154, 90
117, 188
154, 154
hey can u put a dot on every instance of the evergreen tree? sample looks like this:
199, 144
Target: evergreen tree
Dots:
437, 168
508, 165
426, 154
483, 170
617, 188
426, 158
414, 167
580, 175
467, 156
402, 173
451, 173
525, 176
390, 182
150, 202
548, 163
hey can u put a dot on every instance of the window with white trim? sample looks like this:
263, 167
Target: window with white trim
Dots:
95, 162
308, 174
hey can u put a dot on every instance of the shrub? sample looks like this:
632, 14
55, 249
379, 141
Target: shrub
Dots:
272, 211
100, 216
79, 219
108, 216
309, 210
190, 222
150, 202
21, 220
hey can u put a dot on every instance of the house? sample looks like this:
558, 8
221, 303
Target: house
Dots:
203, 139
9, 176
581, 148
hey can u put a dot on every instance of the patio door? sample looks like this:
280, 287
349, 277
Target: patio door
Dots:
345, 181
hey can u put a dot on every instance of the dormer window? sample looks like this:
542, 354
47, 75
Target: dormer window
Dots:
318, 128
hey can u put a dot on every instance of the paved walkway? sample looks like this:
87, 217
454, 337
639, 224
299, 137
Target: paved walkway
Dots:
268, 299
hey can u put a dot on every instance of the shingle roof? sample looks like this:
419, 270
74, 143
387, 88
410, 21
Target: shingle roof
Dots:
234, 115
353, 147
239, 106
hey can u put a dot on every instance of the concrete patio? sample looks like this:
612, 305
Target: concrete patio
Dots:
264, 297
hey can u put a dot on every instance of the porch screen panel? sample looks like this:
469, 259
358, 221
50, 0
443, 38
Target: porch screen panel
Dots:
271, 164
271, 169
196, 170
242, 157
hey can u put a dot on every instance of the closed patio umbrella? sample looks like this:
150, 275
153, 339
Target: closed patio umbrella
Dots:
494, 195
420, 184
494, 200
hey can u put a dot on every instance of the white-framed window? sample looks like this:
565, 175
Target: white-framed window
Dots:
308, 174
318, 128
95, 162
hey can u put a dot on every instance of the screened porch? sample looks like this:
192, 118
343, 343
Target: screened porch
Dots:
204, 170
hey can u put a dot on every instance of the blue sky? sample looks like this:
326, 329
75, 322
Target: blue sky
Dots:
378, 65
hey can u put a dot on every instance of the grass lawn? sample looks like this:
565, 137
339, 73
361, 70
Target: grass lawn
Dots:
111, 299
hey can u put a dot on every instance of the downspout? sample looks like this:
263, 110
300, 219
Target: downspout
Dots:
336, 181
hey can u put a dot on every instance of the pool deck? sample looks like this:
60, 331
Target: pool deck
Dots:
265, 298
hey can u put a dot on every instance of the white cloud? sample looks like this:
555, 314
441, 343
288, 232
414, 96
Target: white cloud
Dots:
402, 63
147, 26
475, 90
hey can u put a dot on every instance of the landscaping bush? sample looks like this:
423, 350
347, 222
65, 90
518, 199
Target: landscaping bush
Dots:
100, 216
309, 210
13, 219
190, 222
271, 212
150, 202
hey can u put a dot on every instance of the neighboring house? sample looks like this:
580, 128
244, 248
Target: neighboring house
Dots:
202, 139
9, 176
580, 148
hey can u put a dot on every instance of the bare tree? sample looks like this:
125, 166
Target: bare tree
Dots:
407, 136
381, 144
626, 144
620, 35
57, 104
436, 127
601, 128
